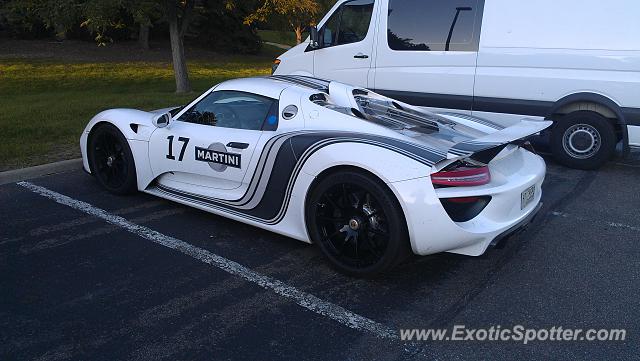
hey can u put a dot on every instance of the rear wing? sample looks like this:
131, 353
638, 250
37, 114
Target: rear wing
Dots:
523, 129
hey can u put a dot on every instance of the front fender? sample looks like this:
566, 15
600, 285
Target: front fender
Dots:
137, 127
133, 124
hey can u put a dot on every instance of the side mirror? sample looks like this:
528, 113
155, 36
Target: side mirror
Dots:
313, 34
162, 120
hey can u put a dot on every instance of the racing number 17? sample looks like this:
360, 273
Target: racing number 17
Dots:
184, 141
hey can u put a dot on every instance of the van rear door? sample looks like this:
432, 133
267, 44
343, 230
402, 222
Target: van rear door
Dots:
346, 43
427, 51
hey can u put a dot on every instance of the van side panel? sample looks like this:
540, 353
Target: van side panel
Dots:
558, 24
533, 54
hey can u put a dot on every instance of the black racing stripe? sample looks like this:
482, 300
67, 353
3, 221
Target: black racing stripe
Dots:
194, 199
473, 147
429, 155
276, 194
290, 159
319, 81
255, 178
458, 152
302, 82
259, 172
478, 120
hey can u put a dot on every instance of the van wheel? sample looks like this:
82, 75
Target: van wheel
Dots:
583, 140
357, 223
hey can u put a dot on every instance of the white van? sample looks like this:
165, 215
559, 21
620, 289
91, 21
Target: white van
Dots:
574, 62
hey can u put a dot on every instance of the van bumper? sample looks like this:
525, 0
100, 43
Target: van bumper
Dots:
633, 134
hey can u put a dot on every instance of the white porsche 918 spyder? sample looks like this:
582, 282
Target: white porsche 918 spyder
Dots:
367, 178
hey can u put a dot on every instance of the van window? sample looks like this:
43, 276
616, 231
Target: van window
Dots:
348, 24
424, 25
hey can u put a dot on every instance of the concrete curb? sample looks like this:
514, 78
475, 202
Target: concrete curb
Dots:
17, 175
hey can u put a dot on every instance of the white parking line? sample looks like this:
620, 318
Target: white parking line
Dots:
306, 300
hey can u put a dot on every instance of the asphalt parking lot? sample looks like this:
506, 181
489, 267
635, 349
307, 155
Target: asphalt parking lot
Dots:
79, 285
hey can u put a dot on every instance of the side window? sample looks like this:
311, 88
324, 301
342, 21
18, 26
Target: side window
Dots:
233, 109
348, 24
329, 30
437, 25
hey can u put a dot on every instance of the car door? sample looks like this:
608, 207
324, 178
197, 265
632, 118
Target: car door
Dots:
427, 52
209, 146
345, 53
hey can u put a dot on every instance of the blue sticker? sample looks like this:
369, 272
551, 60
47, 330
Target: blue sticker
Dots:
272, 120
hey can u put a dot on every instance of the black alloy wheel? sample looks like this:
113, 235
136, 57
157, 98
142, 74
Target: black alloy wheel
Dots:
111, 161
357, 223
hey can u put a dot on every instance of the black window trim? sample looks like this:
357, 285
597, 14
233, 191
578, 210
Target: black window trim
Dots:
473, 47
264, 121
274, 106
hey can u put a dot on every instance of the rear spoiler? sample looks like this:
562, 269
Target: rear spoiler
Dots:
488, 146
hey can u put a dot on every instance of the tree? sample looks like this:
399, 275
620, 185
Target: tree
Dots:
144, 13
299, 13
217, 17
59, 16
101, 15
179, 14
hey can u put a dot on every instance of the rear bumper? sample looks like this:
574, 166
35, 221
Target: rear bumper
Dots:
431, 230
518, 228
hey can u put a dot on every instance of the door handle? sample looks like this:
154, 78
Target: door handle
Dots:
238, 145
361, 56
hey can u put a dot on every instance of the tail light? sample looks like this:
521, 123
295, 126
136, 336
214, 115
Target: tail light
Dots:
462, 174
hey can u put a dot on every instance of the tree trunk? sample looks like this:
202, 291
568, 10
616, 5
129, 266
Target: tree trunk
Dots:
143, 36
298, 30
177, 53
61, 32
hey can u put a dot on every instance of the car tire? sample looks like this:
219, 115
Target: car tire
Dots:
358, 223
111, 160
583, 140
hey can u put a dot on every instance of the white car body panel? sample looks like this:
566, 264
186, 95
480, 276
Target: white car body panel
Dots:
270, 188
535, 59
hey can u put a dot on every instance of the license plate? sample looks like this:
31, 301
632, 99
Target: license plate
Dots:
527, 196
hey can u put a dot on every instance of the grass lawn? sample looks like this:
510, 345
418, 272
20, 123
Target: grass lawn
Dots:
47, 102
280, 37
